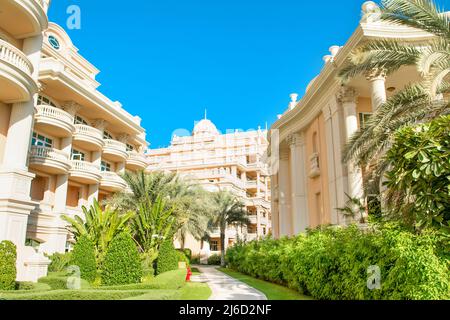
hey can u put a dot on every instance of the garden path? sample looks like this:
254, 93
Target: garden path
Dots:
224, 287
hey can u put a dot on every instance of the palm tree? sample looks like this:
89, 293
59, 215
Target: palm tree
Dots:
418, 102
151, 226
188, 202
100, 226
227, 210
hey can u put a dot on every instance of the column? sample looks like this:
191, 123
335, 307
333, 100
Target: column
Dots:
94, 188
275, 206
285, 220
377, 79
349, 97
258, 184
266, 193
299, 183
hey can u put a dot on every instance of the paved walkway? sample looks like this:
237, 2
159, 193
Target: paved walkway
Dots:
224, 287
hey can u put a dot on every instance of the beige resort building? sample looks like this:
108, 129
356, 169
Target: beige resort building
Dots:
233, 161
62, 142
309, 180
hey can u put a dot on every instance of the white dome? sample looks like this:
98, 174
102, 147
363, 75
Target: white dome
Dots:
205, 127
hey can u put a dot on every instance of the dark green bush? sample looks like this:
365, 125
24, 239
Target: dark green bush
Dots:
188, 253
122, 263
167, 258
27, 287
83, 256
214, 260
8, 272
59, 261
332, 264
195, 259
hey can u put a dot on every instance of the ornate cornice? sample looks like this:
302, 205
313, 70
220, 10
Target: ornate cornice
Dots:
71, 107
376, 74
348, 95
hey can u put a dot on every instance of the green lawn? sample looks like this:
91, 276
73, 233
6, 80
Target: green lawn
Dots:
271, 290
167, 286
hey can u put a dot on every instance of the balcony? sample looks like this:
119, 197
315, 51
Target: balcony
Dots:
49, 160
136, 161
84, 172
54, 121
24, 18
114, 150
111, 181
16, 82
253, 219
88, 138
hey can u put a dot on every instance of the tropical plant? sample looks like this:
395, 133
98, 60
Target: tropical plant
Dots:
417, 102
167, 258
99, 226
227, 210
354, 207
152, 225
418, 179
188, 202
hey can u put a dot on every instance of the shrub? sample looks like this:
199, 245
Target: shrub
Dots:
188, 253
27, 287
195, 259
418, 179
8, 272
122, 263
83, 256
59, 261
167, 258
332, 264
170, 280
59, 282
214, 260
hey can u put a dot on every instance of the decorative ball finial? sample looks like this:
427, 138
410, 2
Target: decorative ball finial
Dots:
334, 50
371, 12
294, 97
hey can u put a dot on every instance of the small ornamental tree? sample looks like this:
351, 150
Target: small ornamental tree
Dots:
122, 263
167, 257
8, 270
83, 256
419, 176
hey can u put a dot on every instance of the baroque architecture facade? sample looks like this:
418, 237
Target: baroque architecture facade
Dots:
62, 142
309, 179
233, 161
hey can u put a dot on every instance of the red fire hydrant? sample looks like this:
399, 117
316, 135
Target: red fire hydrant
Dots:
189, 274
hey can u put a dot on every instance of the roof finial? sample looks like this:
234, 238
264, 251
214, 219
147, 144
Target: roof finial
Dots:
206, 114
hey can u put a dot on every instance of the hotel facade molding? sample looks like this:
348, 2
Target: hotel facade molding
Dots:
62, 142
327, 115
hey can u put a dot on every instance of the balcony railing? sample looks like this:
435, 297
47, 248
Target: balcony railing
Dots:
88, 131
40, 152
84, 166
15, 57
115, 145
135, 156
54, 113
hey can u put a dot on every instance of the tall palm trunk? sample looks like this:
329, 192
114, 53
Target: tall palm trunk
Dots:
222, 247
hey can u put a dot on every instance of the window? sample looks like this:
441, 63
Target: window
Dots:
77, 155
80, 120
105, 166
363, 118
130, 147
214, 245
40, 140
32, 243
107, 135
44, 101
54, 42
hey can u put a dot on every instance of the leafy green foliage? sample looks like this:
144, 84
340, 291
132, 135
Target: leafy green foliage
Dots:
83, 256
58, 281
419, 175
167, 258
332, 264
59, 261
122, 263
8, 270
214, 260
99, 226
182, 257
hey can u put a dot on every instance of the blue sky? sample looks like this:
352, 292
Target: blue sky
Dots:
240, 59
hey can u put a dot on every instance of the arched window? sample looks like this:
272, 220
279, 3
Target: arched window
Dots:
80, 120
107, 135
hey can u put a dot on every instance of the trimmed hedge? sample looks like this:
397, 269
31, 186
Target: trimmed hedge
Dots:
8, 272
59, 282
167, 258
83, 256
332, 264
214, 260
122, 263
